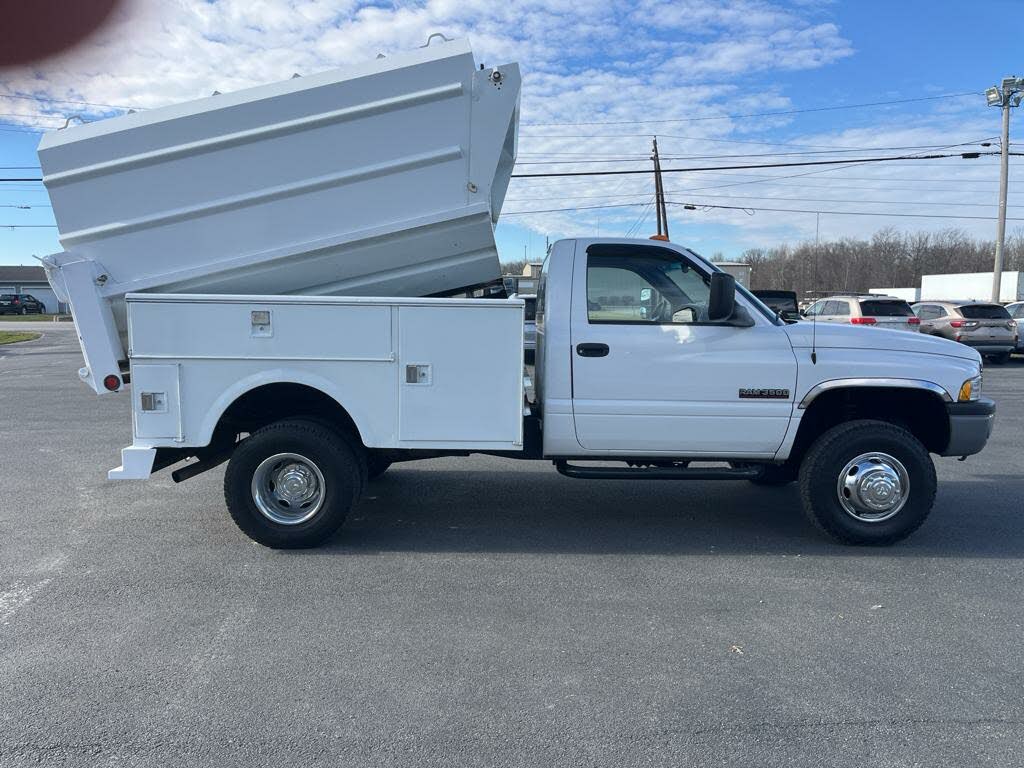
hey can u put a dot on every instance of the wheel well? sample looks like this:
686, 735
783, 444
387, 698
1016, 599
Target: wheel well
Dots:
282, 400
919, 411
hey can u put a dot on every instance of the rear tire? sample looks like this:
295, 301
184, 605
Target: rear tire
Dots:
291, 484
867, 482
1001, 359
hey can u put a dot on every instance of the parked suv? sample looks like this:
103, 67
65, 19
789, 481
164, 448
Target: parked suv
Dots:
20, 304
985, 326
1017, 313
873, 311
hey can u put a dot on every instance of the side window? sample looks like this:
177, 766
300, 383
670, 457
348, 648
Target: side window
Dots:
926, 312
644, 286
828, 308
940, 312
842, 308
1018, 311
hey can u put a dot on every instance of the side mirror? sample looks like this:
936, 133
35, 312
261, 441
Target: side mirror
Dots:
722, 301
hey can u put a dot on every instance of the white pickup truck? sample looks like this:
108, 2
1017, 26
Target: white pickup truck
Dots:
262, 270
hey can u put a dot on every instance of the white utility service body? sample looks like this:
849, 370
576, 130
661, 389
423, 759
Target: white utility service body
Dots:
416, 373
258, 268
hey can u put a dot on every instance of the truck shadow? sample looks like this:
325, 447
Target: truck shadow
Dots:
416, 510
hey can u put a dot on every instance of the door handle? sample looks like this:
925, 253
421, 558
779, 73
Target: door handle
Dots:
591, 350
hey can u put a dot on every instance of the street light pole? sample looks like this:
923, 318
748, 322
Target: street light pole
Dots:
1006, 96
1004, 179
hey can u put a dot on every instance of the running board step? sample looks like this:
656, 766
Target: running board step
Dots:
657, 473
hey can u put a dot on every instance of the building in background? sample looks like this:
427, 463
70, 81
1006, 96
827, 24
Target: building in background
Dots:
31, 280
972, 285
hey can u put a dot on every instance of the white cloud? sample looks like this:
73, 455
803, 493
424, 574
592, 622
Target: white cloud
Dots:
582, 62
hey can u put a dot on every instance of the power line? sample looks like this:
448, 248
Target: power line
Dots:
798, 185
746, 208
27, 97
740, 154
857, 161
14, 128
633, 195
826, 170
764, 114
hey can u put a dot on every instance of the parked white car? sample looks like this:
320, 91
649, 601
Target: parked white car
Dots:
869, 310
1016, 311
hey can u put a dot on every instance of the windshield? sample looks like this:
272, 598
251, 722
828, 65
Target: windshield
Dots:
886, 309
984, 312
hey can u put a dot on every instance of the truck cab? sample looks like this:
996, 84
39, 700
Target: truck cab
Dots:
636, 362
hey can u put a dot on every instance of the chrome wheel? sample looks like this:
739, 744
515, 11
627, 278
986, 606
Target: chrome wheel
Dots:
873, 487
288, 489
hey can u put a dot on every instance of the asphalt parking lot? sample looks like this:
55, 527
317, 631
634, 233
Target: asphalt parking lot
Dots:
489, 612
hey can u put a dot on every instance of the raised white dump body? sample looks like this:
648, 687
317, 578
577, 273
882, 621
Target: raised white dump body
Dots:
381, 179
413, 373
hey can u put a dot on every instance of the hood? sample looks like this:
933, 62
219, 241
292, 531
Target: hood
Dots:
836, 336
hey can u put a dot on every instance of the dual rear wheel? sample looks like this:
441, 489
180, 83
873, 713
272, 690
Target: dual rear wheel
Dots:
291, 484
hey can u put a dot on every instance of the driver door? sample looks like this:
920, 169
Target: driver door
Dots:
651, 374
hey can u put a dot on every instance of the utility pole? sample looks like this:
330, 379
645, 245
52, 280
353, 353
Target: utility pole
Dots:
659, 195
1006, 95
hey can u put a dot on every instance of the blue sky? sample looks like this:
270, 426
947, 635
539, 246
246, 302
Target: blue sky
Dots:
594, 75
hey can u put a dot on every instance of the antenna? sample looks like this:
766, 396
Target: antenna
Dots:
814, 317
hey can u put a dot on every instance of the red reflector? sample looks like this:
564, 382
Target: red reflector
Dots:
913, 320
862, 320
112, 382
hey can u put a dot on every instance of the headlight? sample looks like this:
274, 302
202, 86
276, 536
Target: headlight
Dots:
970, 389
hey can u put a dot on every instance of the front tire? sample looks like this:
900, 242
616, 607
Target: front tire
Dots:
291, 484
867, 482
